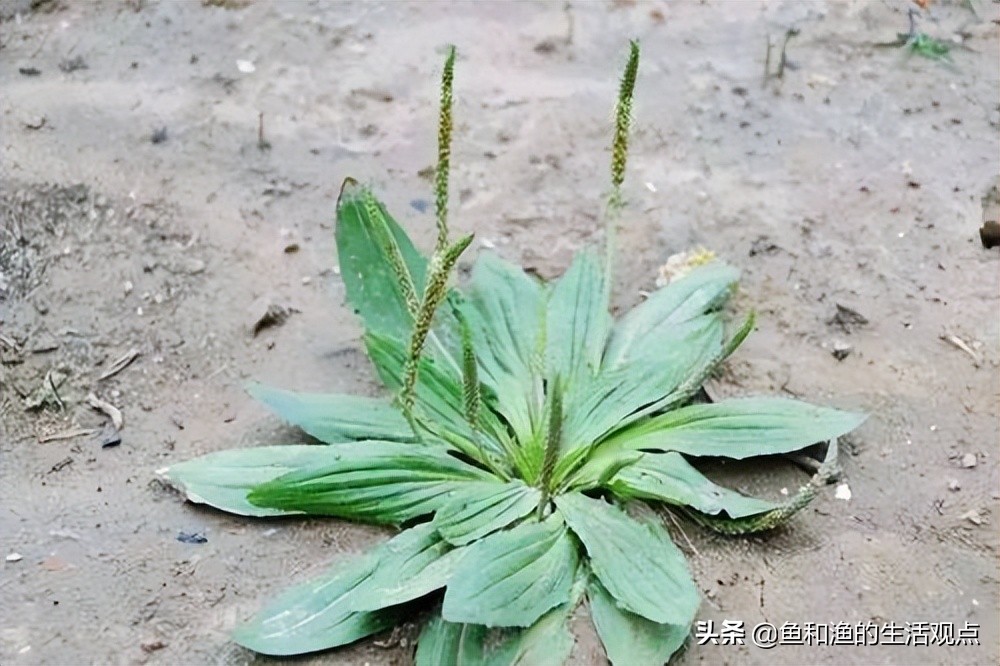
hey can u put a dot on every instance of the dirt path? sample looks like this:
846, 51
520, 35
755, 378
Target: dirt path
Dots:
139, 211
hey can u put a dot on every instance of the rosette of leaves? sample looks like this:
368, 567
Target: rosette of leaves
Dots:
526, 441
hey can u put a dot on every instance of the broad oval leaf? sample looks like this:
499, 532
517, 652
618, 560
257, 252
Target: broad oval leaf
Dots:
606, 401
643, 331
630, 639
480, 508
548, 642
780, 513
738, 428
376, 259
506, 310
668, 477
620, 396
511, 578
444, 643
315, 615
578, 321
365, 231
410, 565
379, 482
223, 479
335, 418
636, 561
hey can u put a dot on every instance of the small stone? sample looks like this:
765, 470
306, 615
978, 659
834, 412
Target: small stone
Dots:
265, 313
973, 517
14, 557
841, 350
953, 485
843, 492
969, 460
192, 266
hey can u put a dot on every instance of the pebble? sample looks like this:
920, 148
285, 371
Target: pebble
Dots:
973, 517
969, 460
15, 557
841, 350
953, 485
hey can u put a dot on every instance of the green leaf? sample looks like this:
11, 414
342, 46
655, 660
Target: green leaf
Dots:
223, 479
620, 396
668, 477
548, 642
630, 639
480, 508
578, 321
378, 482
738, 428
315, 615
374, 253
439, 395
512, 578
642, 332
410, 565
697, 374
779, 514
505, 310
444, 643
636, 561
605, 402
372, 287
335, 418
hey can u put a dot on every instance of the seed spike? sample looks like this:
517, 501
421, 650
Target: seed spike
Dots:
444, 151
623, 119
434, 293
471, 395
619, 156
553, 442
395, 256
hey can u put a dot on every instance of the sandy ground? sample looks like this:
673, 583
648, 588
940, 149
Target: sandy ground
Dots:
139, 212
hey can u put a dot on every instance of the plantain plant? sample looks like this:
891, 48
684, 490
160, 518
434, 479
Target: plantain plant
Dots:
528, 442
